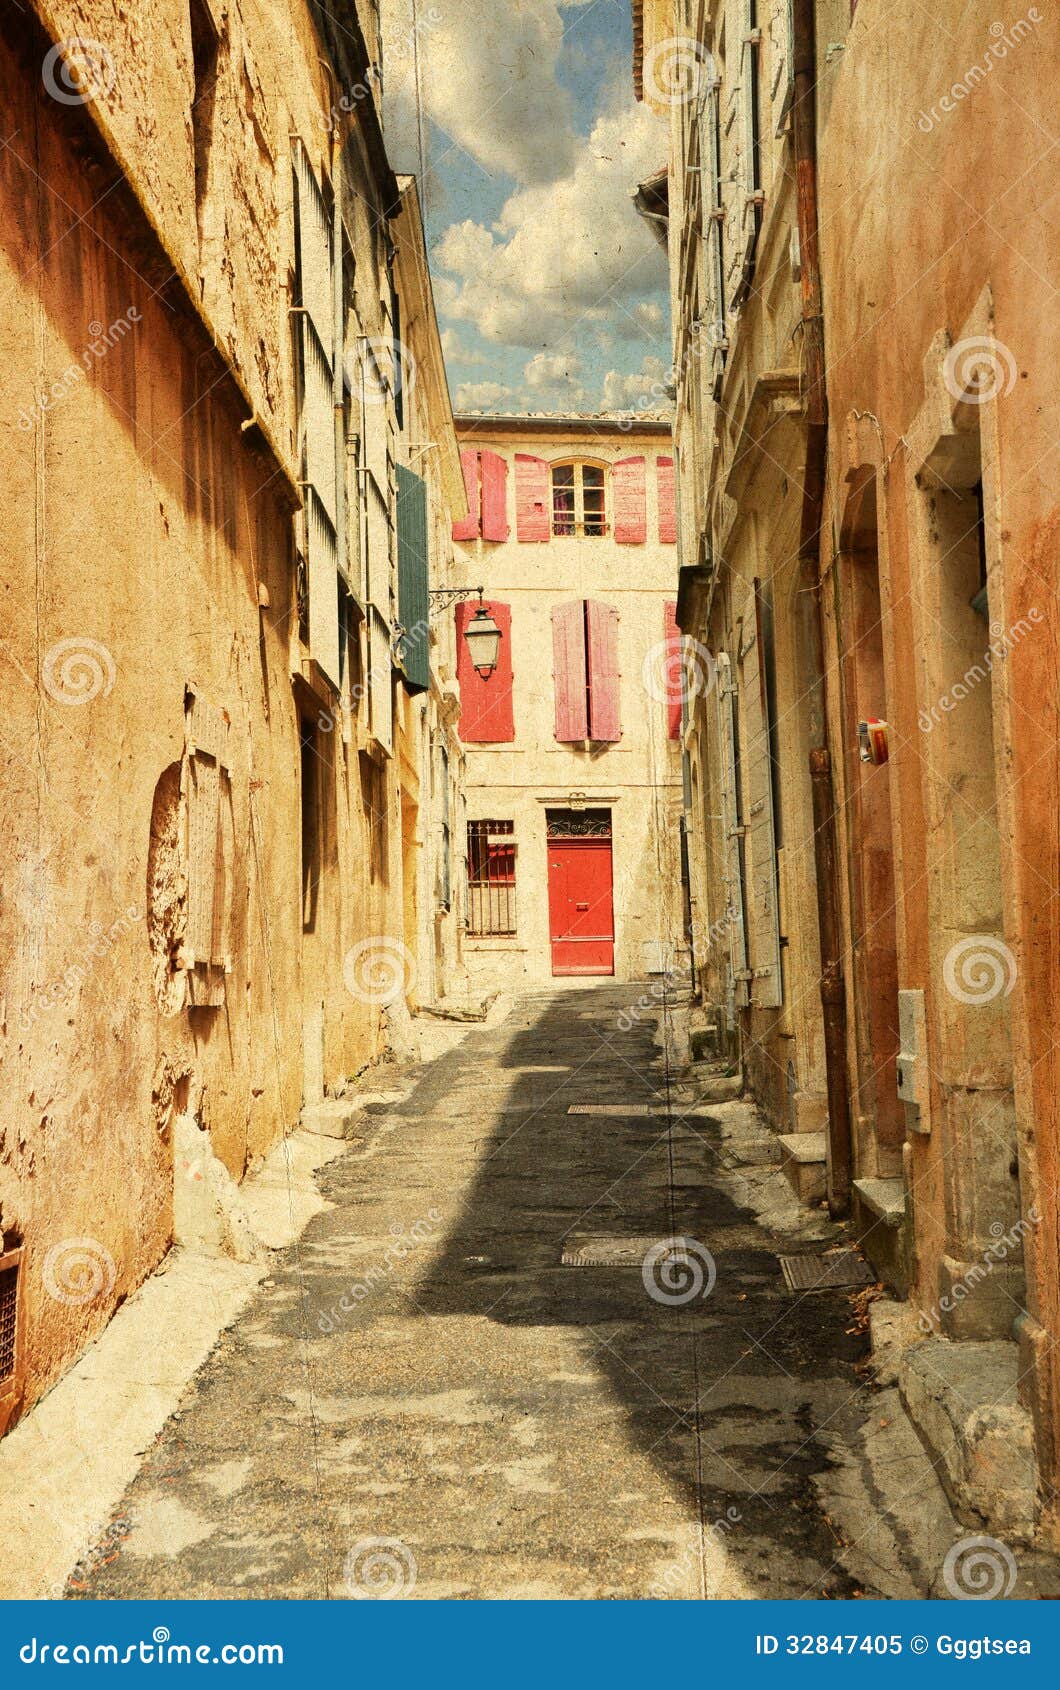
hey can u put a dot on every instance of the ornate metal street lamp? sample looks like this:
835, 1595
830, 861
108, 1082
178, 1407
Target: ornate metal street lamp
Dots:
482, 634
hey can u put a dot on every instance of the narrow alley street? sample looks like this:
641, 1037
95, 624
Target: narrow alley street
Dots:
459, 1384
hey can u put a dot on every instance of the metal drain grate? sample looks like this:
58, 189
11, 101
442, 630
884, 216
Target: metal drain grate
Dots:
605, 1251
825, 1273
609, 1109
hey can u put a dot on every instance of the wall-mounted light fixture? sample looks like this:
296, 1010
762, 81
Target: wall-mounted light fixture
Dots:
482, 634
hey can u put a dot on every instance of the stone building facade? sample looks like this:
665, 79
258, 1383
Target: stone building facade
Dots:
215, 734
572, 744
873, 430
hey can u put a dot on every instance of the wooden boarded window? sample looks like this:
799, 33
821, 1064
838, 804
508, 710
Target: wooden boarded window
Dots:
586, 672
532, 497
413, 579
494, 497
760, 841
675, 688
631, 520
487, 715
468, 526
209, 852
732, 833
322, 453
667, 493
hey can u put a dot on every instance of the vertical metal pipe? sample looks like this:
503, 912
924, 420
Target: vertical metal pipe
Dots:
810, 629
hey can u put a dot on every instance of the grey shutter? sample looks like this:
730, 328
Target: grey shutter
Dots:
751, 197
782, 61
413, 589
209, 851
320, 470
714, 223
730, 821
760, 849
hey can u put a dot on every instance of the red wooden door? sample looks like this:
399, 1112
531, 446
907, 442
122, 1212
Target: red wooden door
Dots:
580, 907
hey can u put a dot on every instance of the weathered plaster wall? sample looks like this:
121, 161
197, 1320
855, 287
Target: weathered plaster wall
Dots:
641, 772
956, 243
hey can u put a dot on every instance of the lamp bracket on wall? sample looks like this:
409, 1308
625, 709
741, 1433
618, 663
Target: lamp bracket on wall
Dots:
442, 597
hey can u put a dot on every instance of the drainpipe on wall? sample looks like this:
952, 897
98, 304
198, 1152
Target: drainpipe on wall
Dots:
810, 623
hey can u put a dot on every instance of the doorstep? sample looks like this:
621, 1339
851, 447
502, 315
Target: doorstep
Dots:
803, 1158
963, 1400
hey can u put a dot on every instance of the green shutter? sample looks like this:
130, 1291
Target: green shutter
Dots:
413, 601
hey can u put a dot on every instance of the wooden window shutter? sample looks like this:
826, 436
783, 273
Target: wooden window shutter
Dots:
601, 627
714, 267
468, 527
209, 852
628, 491
732, 832
568, 648
760, 853
664, 469
782, 58
532, 499
486, 708
494, 497
413, 582
675, 689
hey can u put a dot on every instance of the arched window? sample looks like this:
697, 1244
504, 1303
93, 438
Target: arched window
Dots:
579, 499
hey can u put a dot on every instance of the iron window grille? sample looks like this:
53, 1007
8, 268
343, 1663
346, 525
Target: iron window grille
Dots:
491, 879
9, 1265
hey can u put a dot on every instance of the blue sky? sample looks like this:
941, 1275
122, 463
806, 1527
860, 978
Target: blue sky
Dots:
550, 290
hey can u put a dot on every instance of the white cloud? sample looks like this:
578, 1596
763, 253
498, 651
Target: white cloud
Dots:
644, 392
560, 253
486, 396
555, 380
487, 78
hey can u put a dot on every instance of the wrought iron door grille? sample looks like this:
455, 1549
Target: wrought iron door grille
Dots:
491, 879
8, 1319
578, 824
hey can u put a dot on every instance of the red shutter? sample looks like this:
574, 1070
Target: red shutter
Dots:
494, 496
486, 716
604, 718
533, 517
667, 500
674, 671
468, 528
627, 482
568, 648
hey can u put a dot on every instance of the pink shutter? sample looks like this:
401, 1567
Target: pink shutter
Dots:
494, 496
627, 482
674, 671
667, 500
604, 717
468, 527
533, 489
568, 648
486, 713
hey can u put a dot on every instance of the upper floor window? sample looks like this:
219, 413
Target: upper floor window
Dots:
579, 499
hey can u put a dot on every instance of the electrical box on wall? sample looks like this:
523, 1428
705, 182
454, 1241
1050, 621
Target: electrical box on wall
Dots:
913, 1080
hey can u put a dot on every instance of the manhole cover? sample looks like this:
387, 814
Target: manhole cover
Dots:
609, 1109
825, 1273
606, 1252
